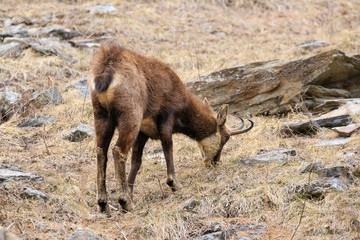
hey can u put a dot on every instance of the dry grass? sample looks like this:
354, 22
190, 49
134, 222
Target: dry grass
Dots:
194, 38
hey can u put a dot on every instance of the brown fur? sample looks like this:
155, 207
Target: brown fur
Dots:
143, 98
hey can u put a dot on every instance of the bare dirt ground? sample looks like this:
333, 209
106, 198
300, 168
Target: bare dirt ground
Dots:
194, 38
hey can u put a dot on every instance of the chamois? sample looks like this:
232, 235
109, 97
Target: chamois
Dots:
143, 98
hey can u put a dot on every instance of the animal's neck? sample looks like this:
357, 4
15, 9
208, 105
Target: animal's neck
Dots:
200, 120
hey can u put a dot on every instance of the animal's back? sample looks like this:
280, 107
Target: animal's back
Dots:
123, 79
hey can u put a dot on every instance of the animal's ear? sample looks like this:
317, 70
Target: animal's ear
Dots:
222, 114
206, 101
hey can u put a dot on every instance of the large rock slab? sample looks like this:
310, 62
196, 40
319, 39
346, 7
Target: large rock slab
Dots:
277, 86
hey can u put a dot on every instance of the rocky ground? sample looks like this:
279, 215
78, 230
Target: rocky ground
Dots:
292, 66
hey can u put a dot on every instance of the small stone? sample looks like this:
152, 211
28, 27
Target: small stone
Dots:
79, 133
6, 235
290, 152
15, 31
8, 101
319, 188
87, 43
243, 231
30, 192
267, 156
11, 50
7, 174
313, 44
334, 172
348, 130
330, 142
81, 86
37, 121
312, 167
354, 165
81, 234
103, 9
16, 20
190, 205
50, 96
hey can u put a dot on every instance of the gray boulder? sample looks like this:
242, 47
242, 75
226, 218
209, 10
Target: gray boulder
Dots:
79, 133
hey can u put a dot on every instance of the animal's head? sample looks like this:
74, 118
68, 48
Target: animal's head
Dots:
211, 146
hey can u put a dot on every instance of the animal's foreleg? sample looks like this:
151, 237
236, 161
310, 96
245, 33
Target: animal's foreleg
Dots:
167, 145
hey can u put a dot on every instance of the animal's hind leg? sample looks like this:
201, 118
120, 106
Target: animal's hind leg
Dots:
128, 126
137, 152
104, 128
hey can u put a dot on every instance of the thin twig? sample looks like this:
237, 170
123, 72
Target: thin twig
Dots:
162, 192
197, 65
45, 143
302, 211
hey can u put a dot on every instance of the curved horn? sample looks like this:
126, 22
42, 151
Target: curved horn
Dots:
239, 129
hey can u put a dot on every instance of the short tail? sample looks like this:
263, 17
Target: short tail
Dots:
104, 64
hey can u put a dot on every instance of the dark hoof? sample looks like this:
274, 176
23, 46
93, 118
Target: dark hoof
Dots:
104, 207
173, 184
126, 204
